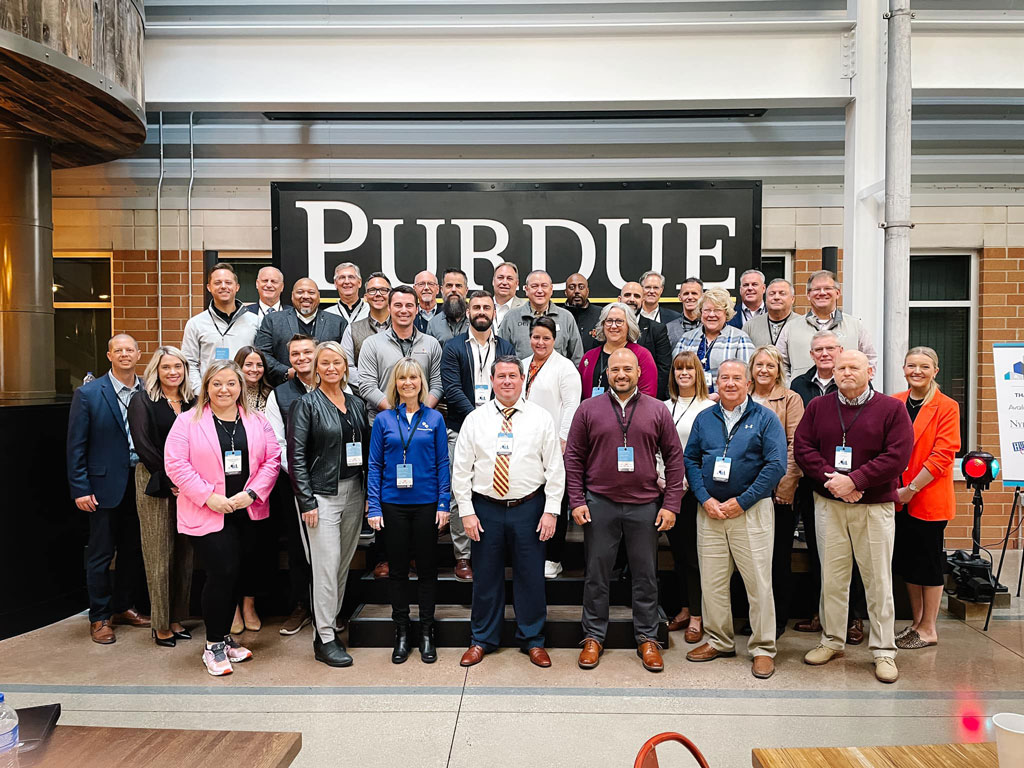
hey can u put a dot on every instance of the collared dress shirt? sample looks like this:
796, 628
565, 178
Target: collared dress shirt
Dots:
483, 358
536, 458
731, 417
124, 396
358, 312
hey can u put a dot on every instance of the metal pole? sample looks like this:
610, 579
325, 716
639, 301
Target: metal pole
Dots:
191, 181
159, 252
896, 291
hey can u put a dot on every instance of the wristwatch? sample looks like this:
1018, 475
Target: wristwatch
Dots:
913, 487
252, 495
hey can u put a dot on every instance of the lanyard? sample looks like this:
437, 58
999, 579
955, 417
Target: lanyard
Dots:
231, 322
484, 358
706, 360
402, 342
674, 404
729, 435
530, 377
231, 434
624, 423
842, 423
412, 431
775, 329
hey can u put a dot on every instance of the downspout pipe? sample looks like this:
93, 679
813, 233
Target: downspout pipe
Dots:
188, 204
159, 251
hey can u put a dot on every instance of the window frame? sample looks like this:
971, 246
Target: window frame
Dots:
787, 258
109, 304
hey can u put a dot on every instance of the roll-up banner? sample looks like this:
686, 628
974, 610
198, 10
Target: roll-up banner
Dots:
1008, 359
611, 232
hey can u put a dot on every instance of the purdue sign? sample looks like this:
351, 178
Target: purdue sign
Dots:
611, 232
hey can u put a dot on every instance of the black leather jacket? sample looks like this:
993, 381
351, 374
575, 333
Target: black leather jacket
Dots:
315, 449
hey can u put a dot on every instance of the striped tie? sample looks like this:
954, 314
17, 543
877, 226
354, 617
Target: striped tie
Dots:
501, 461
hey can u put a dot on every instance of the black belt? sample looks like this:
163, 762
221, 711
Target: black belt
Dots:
509, 502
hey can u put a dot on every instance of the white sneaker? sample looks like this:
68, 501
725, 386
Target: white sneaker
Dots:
236, 652
552, 569
216, 660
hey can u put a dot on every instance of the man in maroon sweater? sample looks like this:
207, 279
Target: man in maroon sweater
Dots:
853, 445
611, 473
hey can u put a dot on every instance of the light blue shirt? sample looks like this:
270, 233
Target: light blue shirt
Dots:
124, 396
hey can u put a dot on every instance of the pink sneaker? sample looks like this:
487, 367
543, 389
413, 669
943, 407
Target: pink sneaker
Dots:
216, 660
236, 653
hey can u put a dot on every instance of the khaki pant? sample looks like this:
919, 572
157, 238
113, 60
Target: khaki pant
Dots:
743, 543
865, 532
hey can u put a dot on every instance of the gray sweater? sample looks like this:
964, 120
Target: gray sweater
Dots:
516, 328
379, 355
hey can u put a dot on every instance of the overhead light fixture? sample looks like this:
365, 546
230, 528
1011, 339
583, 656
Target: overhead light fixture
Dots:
498, 116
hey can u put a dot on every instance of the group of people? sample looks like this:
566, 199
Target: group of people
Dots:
498, 418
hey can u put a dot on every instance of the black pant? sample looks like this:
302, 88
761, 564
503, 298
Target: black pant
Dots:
858, 600
683, 539
782, 562
412, 533
114, 530
282, 511
231, 563
556, 544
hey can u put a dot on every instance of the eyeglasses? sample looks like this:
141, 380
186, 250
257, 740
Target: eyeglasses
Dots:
377, 291
712, 311
614, 322
424, 285
829, 289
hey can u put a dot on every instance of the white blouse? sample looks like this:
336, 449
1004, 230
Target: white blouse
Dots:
557, 390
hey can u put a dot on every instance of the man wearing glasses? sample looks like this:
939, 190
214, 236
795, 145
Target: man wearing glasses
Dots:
516, 325
794, 342
426, 291
377, 319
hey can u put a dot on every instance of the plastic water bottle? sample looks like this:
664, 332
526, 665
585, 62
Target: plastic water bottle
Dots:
88, 377
8, 735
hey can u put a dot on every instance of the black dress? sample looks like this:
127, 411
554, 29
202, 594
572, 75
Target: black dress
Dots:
150, 421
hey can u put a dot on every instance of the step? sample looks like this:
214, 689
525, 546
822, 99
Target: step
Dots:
371, 627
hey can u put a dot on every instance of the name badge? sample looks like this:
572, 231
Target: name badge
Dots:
625, 458
354, 454
232, 462
403, 478
844, 457
221, 353
597, 391
709, 380
483, 393
504, 444
723, 466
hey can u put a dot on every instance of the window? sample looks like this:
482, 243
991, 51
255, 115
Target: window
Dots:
82, 317
943, 316
777, 264
247, 265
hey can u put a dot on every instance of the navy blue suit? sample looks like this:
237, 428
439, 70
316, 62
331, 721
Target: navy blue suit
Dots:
99, 464
457, 376
737, 320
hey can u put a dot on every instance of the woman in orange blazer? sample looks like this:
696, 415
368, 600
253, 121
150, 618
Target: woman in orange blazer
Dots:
926, 494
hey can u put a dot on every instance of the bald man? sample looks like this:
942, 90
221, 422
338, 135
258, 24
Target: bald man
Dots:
577, 303
304, 316
653, 336
612, 477
853, 445
270, 286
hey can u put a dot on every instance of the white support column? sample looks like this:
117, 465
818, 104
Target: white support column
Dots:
864, 175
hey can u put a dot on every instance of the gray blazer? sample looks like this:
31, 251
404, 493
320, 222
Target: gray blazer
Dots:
277, 329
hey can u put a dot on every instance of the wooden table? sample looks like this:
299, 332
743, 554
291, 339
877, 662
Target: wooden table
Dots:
74, 746
924, 756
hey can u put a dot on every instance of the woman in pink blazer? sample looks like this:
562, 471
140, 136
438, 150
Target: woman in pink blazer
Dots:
616, 328
224, 461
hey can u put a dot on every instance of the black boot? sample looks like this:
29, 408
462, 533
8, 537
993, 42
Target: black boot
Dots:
333, 654
428, 651
401, 652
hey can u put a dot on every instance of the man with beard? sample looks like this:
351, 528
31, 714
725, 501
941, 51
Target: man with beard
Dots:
451, 320
466, 377
653, 336
587, 315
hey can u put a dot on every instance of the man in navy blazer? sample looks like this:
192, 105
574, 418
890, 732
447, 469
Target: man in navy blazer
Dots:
466, 361
101, 463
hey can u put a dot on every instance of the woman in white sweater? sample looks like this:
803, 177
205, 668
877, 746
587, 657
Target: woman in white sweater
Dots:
688, 396
553, 383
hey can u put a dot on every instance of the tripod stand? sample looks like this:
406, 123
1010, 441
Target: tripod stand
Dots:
1015, 511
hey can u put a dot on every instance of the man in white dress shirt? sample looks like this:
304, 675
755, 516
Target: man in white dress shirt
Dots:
509, 479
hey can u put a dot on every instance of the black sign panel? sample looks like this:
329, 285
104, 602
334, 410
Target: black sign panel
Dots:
611, 232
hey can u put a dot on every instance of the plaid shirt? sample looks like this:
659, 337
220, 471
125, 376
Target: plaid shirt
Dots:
731, 343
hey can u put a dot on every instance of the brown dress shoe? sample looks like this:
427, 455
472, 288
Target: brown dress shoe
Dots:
591, 654
808, 625
694, 633
763, 667
101, 632
131, 618
855, 632
650, 655
681, 621
382, 570
539, 657
463, 572
708, 652
473, 655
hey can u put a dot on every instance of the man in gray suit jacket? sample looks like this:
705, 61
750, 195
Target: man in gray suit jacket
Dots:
303, 316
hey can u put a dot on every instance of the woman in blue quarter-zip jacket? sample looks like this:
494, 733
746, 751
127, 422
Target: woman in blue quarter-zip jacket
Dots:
409, 490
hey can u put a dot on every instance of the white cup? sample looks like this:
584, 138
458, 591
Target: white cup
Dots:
1009, 739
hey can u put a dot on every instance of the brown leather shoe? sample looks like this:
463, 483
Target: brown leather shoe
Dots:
463, 571
539, 657
808, 625
763, 667
650, 655
131, 618
591, 654
473, 655
708, 652
855, 632
695, 632
382, 570
101, 632
681, 621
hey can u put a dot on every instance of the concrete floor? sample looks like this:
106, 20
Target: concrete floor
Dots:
506, 712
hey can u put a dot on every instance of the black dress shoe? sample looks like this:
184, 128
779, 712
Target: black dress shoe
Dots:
401, 652
428, 651
333, 654
164, 642
183, 635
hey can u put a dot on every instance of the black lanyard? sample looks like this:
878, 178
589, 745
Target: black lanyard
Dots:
412, 431
730, 434
484, 358
402, 342
674, 404
231, 322
842, 423
624, 423
777, 327
231, 434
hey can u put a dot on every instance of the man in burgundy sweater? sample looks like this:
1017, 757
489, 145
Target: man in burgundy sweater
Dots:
611, 473
853, 445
